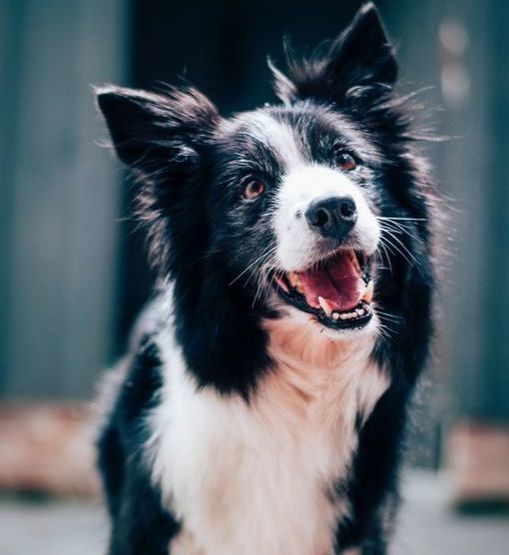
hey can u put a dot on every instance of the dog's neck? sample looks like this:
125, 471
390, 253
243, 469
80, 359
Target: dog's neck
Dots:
314, 374
309, 345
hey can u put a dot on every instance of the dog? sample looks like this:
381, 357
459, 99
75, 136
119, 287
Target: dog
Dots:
261, 406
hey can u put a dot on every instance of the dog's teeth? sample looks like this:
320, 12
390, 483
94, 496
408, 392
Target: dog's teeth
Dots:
295, 281
360, 311
281, 282
293, 278
350, 315
325, 306
368, 294
336, 315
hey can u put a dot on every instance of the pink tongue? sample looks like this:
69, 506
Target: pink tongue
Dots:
338, 281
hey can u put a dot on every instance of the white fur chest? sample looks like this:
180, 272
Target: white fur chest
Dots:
251, 479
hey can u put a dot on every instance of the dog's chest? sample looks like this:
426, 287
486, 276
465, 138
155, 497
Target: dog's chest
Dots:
260, 477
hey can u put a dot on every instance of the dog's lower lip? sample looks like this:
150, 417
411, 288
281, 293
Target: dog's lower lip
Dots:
357, 317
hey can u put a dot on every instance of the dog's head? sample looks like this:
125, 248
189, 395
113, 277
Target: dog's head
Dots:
311, 208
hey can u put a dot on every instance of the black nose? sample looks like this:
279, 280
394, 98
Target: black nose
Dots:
332, 216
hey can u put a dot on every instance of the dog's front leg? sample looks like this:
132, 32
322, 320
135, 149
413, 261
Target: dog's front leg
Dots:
141, 526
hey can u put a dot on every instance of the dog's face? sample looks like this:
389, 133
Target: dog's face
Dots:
293, 201
288, 203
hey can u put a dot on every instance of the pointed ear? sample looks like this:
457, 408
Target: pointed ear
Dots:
361, 57
150, 131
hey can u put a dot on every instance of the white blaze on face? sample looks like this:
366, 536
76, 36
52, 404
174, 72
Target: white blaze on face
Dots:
277, 136
301, 183
297, 242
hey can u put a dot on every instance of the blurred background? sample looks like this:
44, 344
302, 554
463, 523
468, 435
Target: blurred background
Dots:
72, 266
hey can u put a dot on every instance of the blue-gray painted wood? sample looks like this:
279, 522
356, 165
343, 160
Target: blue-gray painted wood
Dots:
477, 174
60, 194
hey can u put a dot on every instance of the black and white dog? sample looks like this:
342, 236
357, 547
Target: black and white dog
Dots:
262, 403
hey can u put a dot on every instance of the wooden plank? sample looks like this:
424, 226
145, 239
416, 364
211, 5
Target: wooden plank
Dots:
11, 45
64, 200
477, 177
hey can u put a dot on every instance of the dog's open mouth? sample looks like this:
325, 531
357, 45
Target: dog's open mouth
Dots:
338, 290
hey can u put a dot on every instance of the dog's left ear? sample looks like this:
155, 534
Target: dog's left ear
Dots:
361, 57
157, 132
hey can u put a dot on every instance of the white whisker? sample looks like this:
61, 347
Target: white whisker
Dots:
391, 218
402, 246
264, 255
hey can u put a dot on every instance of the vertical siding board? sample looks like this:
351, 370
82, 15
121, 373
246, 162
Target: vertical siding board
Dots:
494, 397
64, 201
11, 52
476, 173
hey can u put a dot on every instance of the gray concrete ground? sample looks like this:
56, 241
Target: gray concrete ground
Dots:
426, 526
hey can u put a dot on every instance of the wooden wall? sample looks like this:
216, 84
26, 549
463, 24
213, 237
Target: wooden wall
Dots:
59, 194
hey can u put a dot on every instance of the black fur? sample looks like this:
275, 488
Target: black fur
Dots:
140, 524
190, 170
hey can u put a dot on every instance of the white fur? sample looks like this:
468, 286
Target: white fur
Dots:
253, 479
107, 391
277, 136
296, 241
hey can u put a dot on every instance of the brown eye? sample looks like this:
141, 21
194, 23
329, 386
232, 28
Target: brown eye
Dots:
346, 162
253, 189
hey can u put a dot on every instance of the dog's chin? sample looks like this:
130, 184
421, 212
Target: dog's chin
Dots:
336, 293
289, 313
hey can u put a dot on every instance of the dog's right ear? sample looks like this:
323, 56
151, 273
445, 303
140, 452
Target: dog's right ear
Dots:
360, 60
152, 131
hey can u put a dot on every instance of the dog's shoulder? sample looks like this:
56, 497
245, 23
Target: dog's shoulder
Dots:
139, 365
